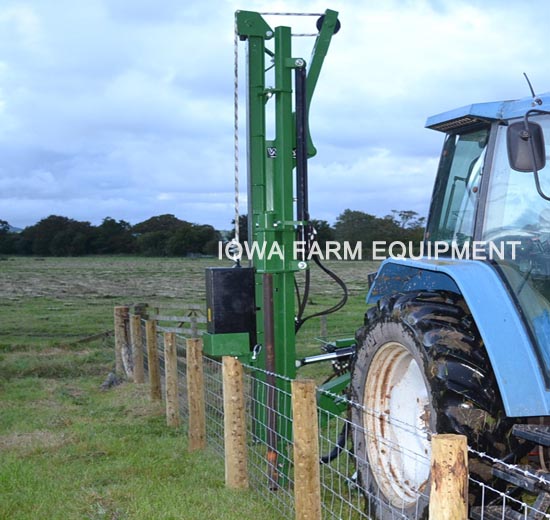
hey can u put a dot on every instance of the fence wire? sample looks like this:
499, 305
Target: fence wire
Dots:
270, 461
183, 401
350, 483
213, 403
341, 494
495, 500
497, 504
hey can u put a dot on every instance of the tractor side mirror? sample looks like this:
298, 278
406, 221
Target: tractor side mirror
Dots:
526, 151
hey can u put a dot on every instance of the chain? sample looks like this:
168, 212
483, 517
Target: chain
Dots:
291, 14
236, 107
236, 135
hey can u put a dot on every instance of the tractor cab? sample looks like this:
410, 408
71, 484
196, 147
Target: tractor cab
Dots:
467, 331
493, 187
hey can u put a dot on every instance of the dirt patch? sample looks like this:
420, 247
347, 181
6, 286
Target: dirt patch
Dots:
39, 439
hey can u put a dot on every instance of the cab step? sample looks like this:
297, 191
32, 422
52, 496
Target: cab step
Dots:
537, 433
525, 477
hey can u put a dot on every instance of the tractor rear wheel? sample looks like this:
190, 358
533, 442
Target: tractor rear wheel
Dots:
420, 368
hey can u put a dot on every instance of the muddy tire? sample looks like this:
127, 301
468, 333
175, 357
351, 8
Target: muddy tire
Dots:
420, 368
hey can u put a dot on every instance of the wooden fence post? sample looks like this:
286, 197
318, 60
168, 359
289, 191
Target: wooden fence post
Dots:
121, 338
136, 338
236, 464
195, 395
171, 379
449, 477
307, 478
153, 359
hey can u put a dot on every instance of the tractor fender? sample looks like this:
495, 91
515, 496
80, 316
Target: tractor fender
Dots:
509, 347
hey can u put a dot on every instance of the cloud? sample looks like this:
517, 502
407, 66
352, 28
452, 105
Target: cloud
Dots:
125, 109
375, 183
20, 23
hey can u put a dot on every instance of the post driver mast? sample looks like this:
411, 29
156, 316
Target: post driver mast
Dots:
252, 311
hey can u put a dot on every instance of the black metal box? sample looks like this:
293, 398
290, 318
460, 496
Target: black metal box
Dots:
230, 300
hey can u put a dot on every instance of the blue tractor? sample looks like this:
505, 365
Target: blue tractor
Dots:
461, 343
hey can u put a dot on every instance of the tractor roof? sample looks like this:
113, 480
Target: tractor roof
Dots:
477, 113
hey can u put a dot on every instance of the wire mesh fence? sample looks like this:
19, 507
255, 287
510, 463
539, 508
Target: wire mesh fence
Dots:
341, 496
360, 464
269, 416
183, 401
213, 398
527, 496
361, 452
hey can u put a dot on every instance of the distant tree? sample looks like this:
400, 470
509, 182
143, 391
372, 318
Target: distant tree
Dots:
73, 241
387, 230
211, 247
355, 226
411, 225
407, 219
8, 240
23, 245
155, 235
166, 235
114, 237
202, 235
193, 239
181, 241
159, 223
41, 234
324, 231
243, 228
58, 236
153, 243
210, 240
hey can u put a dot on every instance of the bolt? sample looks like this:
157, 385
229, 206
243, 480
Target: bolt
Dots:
299, 62
302, 265
269, 34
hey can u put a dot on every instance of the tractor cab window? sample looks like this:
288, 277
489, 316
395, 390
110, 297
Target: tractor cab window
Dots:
513, 202
456, 191
516, 212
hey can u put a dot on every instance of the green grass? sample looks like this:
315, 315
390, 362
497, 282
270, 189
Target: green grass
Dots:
71, 451
68, 450
45, 302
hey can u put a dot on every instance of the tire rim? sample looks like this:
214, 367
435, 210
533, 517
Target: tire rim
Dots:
396, 423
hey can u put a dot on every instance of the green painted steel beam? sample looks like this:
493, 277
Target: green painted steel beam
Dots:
328, 397
271, 180
235, 344
322, 44
250, 23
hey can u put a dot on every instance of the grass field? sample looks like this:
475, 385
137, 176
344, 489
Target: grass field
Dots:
69, 450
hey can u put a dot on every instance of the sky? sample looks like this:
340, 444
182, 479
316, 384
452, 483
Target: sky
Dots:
124, 108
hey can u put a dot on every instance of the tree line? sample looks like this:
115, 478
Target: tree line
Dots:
166, 235
354, 226
163, 235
